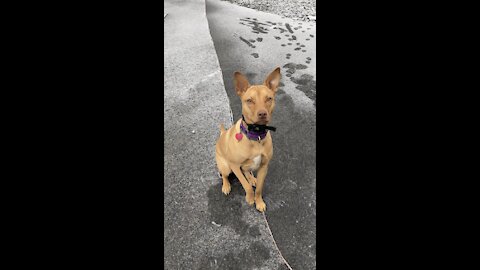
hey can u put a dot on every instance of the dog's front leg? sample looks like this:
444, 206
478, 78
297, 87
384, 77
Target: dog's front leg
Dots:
261, 174
249, 197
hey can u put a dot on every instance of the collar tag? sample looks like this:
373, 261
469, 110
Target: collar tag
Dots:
239, 136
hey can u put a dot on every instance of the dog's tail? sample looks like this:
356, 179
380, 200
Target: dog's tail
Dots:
222, 129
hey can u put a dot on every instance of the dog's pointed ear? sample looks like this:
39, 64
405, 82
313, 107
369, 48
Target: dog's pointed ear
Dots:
241, 83
273, 80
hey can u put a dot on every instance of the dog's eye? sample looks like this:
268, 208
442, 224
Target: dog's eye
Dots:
269, 99
250, 100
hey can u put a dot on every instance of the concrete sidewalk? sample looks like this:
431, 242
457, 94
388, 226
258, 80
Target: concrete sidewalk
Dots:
254, 43
204, 229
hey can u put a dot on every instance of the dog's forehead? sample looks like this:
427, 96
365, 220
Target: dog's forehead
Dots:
258, 90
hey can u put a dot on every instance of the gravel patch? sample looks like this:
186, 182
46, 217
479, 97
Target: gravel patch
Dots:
302, 10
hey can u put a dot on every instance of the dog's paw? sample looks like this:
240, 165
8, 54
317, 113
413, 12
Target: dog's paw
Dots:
226, 188
260, 205
250, 198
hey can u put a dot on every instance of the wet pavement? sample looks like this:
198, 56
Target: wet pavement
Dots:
203, 229
254, 43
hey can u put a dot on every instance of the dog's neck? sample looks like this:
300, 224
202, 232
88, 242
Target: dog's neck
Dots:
254, 132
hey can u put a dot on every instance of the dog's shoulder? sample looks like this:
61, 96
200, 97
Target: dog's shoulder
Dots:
235, 128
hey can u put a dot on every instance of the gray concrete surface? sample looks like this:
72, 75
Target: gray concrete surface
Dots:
254, 43
203, 229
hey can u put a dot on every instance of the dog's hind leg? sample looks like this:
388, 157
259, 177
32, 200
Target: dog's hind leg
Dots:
226, 187
224, 170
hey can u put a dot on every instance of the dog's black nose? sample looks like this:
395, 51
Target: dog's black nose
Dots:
262, 114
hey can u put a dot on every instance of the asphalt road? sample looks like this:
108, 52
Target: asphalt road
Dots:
254, 43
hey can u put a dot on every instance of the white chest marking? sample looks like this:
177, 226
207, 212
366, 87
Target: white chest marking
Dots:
256, 162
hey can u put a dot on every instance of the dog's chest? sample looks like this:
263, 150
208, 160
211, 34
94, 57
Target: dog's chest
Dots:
256, 162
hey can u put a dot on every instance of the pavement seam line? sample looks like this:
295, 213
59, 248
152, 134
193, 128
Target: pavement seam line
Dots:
274, 242
218, 63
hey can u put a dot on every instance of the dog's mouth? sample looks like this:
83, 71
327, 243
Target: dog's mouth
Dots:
261, 122
260, 125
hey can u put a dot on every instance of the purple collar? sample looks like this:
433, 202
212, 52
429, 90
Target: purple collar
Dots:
253, 135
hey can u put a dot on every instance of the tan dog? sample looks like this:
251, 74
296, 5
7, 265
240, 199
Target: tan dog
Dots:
241, 150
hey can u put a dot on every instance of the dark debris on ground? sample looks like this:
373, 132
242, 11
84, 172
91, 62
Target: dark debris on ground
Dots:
302, 10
